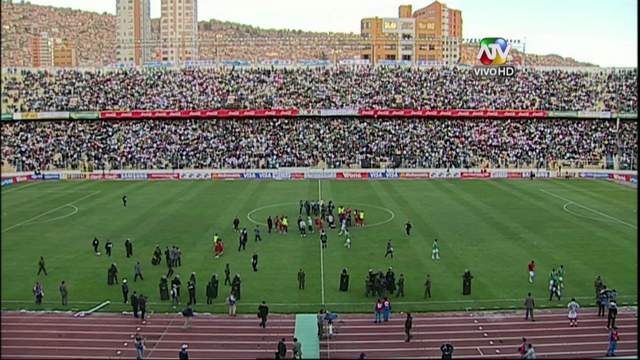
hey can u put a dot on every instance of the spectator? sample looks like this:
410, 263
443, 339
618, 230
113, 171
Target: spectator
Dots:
522, 349
263, 312
612, 314
614, 337
188, 317
531, 352
282, 350
139, 347
408, 323
320, 323
603, 300
386, 309
317, 88
573, 312
378, 309
38, 293
184, 353
231, 302
447, 351
422, 143
297, 349
529, 303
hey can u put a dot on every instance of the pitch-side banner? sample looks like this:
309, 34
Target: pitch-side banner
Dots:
163, 176
475, 175
453, 113
198, 114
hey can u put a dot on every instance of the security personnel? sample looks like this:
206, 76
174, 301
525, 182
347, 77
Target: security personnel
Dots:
125, 290
107, 247
301, 276
191, 287
64, 294
400, 285
41, 266
95, 244
254, 261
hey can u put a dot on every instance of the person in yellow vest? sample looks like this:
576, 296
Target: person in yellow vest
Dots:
361, 218
285, 224
216, 237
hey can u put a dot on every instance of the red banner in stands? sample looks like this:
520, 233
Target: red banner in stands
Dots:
618, 177
473, 175
163, 176
453, 113
198, 114
103, 176
344, 175
514, 175
296, 176
226, 176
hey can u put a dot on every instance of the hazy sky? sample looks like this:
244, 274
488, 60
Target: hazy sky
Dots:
602, 32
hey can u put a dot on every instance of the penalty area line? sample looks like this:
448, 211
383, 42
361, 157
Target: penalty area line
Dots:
590, 209
49, 211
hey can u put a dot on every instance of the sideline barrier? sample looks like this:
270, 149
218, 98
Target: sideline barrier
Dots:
317, 174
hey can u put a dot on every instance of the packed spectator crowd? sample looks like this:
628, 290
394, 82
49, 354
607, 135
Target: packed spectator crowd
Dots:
326, 142
335, 87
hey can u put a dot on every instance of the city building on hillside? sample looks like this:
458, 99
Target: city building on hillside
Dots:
133, 31
432, 34
52, 52
41, 51
179, 30
64, 54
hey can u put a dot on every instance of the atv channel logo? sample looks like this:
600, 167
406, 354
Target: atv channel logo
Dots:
494, 57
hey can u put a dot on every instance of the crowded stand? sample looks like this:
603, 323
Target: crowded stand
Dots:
326, 142
318, 88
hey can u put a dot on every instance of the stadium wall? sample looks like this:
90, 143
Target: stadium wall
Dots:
328, 174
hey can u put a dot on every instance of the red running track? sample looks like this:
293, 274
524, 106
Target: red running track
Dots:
481, 335
40, 335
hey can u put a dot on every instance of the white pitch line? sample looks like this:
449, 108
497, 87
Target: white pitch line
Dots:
161, 336
49, 212
541, 299
590, 209
321, 253
262, 208
75, 211
17, 188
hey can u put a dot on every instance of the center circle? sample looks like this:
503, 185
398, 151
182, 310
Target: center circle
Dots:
391, 214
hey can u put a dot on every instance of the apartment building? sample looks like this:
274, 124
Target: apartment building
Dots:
133, 31
179, 30
432, 34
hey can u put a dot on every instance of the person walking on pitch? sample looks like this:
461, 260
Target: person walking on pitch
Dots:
435, 250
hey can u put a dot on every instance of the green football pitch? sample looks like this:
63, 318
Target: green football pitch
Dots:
494, 228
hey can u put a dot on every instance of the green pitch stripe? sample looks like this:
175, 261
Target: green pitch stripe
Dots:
307, 334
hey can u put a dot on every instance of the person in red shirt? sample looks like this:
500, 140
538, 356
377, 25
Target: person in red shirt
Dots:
318, 222
532, 271
379, 308
219, 248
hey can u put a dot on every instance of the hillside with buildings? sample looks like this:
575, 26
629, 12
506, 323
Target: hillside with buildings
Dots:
88, 39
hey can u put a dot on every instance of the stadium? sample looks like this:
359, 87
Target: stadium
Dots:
369, 207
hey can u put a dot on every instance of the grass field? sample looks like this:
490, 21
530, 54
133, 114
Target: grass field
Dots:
494, 228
